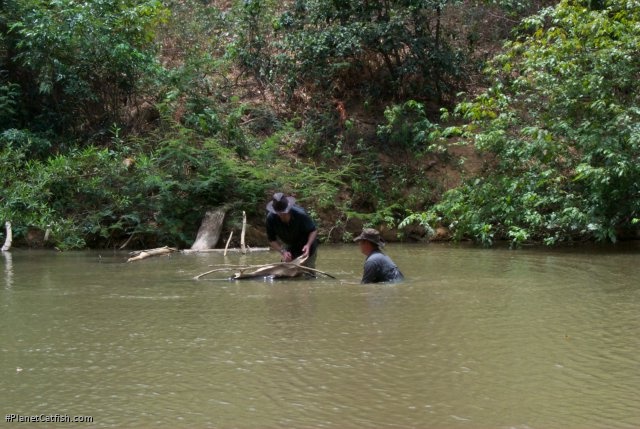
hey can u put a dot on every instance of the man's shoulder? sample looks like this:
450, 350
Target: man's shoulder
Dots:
272, 220
380, 258
300, 214
298, 210
376, 256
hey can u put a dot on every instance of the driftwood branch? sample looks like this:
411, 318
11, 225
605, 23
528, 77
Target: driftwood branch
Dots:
143, 254
208, 235
127, 242
233, 249
225, 268
228, 241
276, 270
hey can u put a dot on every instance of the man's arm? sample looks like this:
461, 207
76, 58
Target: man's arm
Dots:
370, 274
286, 255
306, 249
273, 239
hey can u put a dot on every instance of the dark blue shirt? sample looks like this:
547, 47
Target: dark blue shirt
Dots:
294, 234
378, 268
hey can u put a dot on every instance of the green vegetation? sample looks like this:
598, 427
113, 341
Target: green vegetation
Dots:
561, 130
123, 121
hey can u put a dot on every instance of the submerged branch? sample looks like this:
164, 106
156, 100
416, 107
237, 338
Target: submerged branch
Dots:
275, 270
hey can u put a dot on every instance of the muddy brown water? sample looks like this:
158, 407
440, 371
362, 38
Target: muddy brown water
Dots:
474, 338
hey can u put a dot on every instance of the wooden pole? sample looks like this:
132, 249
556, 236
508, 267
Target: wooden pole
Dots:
244, 227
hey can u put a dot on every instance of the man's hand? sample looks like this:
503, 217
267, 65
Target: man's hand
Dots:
286, 256
305, 250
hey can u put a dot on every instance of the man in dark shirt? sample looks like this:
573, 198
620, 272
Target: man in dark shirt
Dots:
378, 267
290, 230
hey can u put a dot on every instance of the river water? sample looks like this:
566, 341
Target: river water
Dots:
474, 338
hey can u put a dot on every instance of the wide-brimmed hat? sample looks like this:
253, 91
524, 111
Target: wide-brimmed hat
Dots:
371, 235
280, 203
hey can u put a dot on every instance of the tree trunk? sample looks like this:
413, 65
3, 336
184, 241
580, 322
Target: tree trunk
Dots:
209, 232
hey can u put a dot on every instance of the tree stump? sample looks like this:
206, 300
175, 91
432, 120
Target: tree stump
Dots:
209, 232
9, 237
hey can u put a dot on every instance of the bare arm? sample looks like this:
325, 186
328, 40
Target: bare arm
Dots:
286, 255
307, 247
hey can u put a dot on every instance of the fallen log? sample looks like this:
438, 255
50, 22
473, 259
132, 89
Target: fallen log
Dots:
143, 254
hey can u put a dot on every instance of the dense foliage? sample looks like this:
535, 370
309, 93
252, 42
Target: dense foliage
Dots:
560, 129
144, 195
75, 66
123, 121
376, 48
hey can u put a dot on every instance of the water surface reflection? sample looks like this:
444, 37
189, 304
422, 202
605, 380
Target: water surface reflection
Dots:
8, 269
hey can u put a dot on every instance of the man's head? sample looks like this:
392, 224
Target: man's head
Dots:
281, 204
369, 240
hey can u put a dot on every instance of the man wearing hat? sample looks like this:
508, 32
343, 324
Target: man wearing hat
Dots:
290, 230
378, 267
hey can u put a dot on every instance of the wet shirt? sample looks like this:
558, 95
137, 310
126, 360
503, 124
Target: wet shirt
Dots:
378, 268
293, 234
